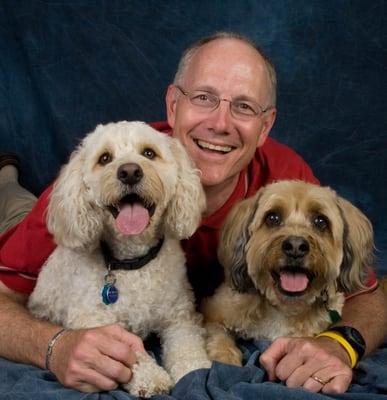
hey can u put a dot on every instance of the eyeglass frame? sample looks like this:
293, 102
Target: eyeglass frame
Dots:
239, 116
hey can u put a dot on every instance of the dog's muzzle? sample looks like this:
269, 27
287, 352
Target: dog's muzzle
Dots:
293, 278
132, 212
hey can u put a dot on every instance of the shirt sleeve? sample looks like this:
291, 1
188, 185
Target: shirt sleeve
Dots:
370, 285
25, 247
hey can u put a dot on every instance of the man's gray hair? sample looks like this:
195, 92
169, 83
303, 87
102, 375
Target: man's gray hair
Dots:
190, 52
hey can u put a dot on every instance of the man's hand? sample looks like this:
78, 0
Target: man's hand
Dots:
96, 359
297, 360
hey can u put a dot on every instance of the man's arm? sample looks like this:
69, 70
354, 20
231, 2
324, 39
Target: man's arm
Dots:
296, 360
368, 314
87, 360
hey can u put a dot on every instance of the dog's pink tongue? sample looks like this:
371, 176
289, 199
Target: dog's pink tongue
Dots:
132, 219
293, 282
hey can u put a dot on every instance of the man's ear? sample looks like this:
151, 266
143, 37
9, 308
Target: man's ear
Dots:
170, 100
268, 120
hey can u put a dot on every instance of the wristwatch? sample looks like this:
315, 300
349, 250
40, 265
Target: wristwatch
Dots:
353, 337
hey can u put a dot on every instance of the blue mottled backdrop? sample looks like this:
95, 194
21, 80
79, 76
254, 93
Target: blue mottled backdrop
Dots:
66, 66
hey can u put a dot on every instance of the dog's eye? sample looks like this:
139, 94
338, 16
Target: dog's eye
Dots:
273, 219
320, 222
149, 153
105, 158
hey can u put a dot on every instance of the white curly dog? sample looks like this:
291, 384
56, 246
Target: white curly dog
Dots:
117, 212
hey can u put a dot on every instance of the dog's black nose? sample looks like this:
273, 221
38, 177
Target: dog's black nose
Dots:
130, 173
295, 246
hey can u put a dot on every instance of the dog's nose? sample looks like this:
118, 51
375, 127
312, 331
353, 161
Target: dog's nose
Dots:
295, 246
130, 173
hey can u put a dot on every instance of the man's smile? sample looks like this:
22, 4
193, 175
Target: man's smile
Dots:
213, 147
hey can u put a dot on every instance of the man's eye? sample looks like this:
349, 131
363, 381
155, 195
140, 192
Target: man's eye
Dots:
149, 153
245, 108
201, 98
105, 158
273, 219
243, 105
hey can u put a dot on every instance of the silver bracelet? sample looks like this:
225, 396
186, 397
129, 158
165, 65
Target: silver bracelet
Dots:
51, 345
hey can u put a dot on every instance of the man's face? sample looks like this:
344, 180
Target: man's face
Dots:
219, 144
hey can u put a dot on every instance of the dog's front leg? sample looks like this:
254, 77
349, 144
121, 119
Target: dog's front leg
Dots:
184, 348
148, 378
221, 345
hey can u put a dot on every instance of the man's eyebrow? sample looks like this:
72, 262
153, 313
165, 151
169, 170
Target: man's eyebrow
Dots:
212, 90
246, 98
206, 88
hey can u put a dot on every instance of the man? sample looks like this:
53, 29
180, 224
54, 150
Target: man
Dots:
222, 108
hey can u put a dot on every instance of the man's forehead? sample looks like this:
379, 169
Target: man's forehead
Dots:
227, 63
228, 49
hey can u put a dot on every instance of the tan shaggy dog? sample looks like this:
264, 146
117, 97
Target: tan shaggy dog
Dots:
289, 253
118, 211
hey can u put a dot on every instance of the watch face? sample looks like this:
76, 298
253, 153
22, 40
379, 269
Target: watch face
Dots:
353, 337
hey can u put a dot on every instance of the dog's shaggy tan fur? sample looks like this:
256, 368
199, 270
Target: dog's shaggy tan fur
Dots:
289, 233
155, 298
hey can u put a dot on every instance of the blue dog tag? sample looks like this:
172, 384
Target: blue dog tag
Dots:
109, 291
109, 294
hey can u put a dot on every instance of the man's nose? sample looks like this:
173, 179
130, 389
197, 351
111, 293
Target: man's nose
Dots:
221, 118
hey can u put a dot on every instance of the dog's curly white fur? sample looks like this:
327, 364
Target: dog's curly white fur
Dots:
155, 298
290, 253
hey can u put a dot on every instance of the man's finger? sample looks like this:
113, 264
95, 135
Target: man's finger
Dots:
339, 384
302, 359
114, 342
302, 376
92, 381
271, 356
128, 338
112, 369
119, 351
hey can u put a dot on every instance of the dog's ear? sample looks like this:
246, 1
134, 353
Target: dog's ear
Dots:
233, 240
71, 218
358, 247
185, 210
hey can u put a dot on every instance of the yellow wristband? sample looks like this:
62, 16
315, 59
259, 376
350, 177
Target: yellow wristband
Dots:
340, 339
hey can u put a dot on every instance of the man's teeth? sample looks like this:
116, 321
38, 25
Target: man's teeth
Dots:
210, 146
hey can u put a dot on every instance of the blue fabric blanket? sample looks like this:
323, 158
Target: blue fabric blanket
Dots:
221, 382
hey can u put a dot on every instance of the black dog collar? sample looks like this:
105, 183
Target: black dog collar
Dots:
131, 264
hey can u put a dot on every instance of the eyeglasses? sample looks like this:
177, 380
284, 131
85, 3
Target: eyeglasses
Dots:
240, 109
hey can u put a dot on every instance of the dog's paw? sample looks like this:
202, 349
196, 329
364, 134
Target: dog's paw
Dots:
227, 355
148, 378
